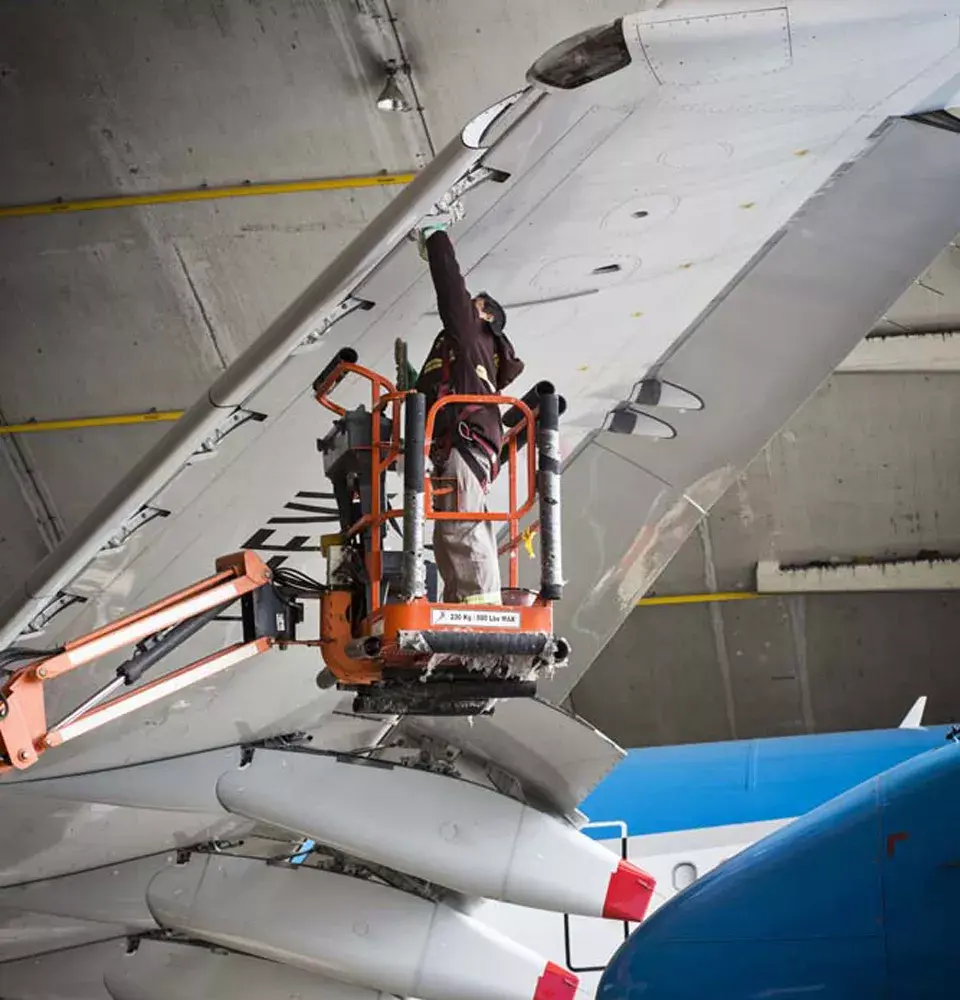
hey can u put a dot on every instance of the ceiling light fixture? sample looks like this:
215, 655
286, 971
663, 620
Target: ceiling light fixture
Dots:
392, 97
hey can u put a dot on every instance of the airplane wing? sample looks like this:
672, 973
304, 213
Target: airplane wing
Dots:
666, 220
691, 215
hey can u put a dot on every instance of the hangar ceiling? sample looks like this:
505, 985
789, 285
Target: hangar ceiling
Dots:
132, 309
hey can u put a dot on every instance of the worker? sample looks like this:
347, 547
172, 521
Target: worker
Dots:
470, 356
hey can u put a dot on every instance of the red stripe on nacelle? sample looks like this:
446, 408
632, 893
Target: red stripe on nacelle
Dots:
556, 983
629, 893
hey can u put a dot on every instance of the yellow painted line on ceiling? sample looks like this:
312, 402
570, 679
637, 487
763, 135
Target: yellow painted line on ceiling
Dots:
733, 595
79, 423
63, 206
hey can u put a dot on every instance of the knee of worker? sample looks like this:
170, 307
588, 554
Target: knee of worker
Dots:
455, 537
478, 539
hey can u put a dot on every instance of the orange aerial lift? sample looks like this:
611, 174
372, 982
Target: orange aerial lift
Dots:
383, 633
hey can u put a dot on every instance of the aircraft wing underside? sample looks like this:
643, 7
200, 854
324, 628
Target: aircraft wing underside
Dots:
656, 238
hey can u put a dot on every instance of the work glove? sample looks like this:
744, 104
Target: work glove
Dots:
406, 373
425, 232
439, 221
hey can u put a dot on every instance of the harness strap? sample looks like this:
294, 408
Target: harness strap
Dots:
442, 446
475, 465
481, 444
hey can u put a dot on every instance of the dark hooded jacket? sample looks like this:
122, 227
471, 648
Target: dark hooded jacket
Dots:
469, 356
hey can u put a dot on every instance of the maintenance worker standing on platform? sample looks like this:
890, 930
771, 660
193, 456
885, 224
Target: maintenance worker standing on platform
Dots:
470, 356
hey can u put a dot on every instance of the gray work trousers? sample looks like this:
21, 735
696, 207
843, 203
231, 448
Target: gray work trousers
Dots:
465, 551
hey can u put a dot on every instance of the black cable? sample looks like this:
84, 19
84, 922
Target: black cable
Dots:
290, 575
23, 652
14, 654
291, 583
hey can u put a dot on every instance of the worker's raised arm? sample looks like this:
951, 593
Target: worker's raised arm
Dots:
456, 308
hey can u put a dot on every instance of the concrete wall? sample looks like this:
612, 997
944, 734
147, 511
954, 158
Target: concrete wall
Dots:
868, 468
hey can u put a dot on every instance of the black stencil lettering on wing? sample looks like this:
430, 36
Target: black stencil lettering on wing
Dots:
308, 513
262, 540
312, 514
268, 539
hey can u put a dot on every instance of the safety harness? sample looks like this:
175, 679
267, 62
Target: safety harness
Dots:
465, 440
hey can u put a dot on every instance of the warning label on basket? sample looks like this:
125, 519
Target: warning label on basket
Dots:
475, 618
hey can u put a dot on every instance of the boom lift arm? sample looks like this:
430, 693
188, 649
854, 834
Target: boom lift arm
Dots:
269, 618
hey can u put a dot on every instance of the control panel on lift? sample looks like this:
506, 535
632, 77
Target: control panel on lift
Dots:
384, 633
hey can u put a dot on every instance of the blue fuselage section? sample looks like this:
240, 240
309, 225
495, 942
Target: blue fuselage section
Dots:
852, 900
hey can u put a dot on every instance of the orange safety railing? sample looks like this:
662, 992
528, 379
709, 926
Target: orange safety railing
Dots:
383, 454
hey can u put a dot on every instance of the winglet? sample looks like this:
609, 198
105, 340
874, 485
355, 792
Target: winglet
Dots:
914, 718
